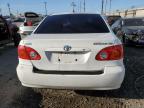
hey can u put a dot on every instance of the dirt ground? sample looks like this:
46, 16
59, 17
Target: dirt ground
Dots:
130, 95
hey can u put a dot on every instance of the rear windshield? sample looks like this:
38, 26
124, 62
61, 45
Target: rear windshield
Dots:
31, 15
73, 23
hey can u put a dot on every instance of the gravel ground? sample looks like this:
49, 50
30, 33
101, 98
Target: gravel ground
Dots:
130, 95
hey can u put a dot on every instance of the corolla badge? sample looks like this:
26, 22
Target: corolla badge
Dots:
67, 48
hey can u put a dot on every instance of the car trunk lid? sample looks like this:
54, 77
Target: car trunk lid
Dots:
80, 56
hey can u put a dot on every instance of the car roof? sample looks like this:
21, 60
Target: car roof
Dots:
73, 14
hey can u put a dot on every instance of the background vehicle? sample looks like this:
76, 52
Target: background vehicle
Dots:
130, 30
31, 21
18, 21
76, 51
8, 32
111, 19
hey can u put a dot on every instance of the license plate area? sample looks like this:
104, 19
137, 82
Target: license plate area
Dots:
72, 57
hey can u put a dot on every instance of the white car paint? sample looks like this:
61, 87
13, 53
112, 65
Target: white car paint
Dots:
87, 46
25, 30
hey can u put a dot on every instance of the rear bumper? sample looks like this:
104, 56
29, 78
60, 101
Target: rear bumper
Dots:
111, 79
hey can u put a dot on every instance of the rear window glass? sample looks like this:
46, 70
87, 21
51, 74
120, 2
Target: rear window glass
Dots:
73, 23
31, 15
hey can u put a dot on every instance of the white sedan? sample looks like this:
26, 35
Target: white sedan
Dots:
71, 51
30, 23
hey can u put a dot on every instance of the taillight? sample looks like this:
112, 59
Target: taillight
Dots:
110, 53
29, 23
28, 53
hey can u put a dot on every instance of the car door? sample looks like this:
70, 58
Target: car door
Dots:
4, 32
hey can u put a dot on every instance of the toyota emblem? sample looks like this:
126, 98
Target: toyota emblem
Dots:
67, 48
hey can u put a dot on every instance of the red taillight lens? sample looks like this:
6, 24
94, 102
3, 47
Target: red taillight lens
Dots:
28, 53
110, 53
29, 23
